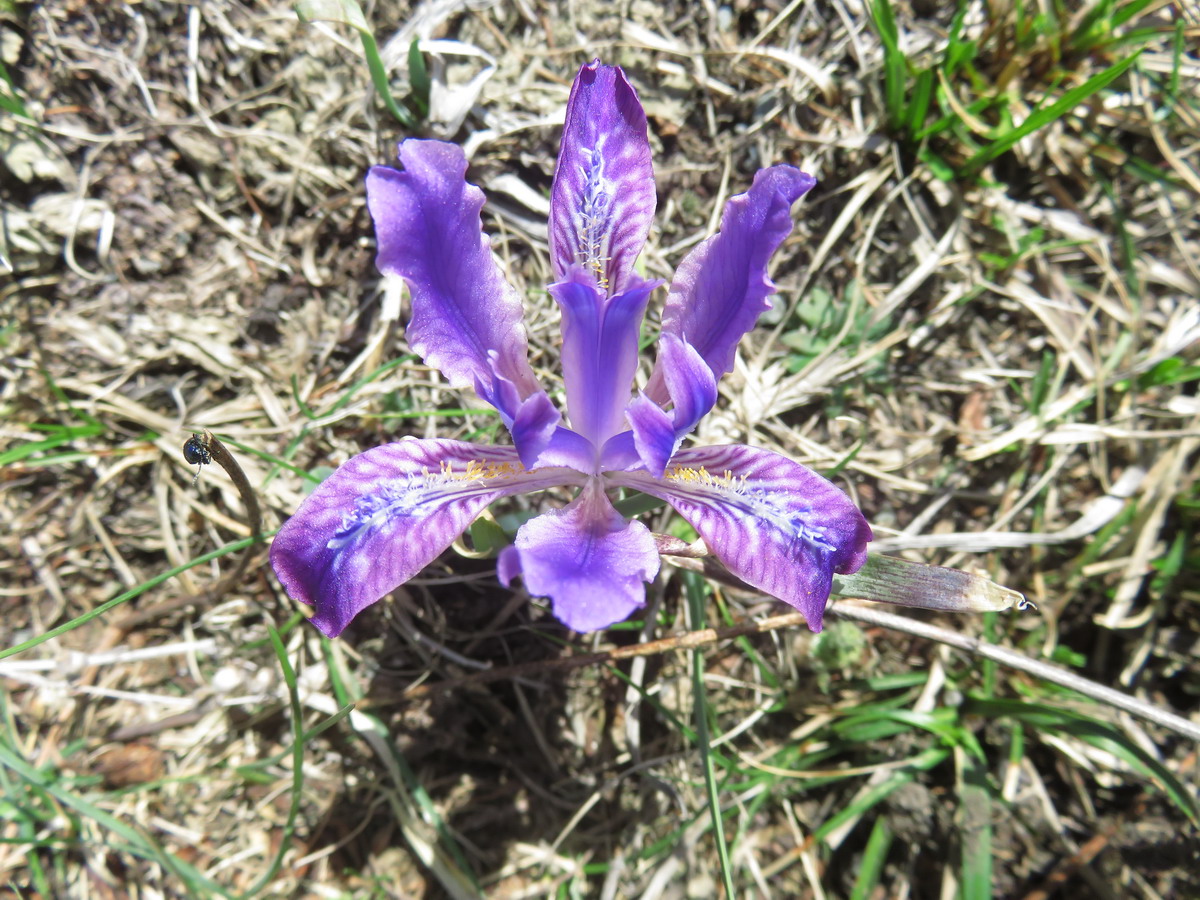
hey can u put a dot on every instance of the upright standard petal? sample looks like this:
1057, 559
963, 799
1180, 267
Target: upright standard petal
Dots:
599, 351
603, 198
586, 558
721, 287
774, 524
429, 232
386, 514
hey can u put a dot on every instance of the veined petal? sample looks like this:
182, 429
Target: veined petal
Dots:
599, 351
586, 558
774, 524
721, 287
429, 232
603, 198
386, 514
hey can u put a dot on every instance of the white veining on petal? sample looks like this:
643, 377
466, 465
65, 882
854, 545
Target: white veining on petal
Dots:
401, 497
596, 215
789, 522
805, 531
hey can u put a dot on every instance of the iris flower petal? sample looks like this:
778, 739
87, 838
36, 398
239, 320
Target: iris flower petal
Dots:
620, 451
774, 524
586, 558
566, 448
653, 435
429, 232
599, 351
721, 287
386, 514
691, 384
603, 198
534, 427
693, 391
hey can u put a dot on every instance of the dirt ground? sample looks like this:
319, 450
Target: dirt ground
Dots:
998, 361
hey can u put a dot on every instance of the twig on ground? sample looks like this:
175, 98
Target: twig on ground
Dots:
868, 615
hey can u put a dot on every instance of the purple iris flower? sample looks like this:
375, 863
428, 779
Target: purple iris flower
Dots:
387, 513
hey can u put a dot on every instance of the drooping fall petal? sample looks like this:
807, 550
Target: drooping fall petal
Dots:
776, 525
603, 198
721, 287
586, 558
429, 232
386, 514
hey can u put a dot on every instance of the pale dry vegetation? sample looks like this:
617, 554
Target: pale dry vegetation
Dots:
997, 357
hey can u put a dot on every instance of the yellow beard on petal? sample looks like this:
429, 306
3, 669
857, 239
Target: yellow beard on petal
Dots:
726, 481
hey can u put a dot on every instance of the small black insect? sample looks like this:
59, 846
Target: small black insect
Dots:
195, 453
